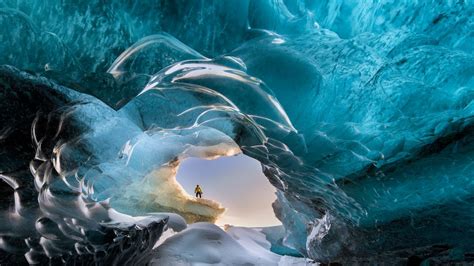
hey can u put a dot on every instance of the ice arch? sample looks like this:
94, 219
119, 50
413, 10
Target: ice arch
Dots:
88, 160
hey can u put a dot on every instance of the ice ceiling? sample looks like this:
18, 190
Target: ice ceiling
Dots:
361, 113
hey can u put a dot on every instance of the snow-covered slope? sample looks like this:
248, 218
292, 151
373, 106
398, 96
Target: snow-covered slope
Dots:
207, 244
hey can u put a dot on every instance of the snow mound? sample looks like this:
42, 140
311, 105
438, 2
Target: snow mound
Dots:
207, 244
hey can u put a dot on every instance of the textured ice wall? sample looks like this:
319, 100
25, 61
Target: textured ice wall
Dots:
49, 134
361, 112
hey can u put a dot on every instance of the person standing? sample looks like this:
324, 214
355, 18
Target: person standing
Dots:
198, 191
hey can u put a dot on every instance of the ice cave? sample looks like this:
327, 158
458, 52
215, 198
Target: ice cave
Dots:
358, 116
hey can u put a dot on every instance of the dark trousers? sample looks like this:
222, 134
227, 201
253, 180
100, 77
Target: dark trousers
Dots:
198, 194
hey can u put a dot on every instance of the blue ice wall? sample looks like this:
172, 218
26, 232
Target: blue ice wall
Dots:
361, 112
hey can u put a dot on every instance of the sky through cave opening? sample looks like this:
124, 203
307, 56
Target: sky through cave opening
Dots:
237, 182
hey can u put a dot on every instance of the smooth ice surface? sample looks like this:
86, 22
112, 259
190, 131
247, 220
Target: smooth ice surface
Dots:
361, 114
237, 183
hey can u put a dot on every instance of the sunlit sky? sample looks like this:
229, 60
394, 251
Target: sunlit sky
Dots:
236, 182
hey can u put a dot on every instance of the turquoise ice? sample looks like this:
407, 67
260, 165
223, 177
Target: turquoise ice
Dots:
360, 112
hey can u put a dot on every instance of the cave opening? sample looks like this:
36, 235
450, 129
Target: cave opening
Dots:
236, 182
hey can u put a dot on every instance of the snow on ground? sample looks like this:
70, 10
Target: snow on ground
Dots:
207, 244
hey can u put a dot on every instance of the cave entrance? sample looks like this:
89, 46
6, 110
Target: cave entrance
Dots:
237, 182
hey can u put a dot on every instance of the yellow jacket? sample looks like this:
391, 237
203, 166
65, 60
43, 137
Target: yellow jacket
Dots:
198, 190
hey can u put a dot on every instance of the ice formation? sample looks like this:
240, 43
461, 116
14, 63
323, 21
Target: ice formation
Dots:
360, 112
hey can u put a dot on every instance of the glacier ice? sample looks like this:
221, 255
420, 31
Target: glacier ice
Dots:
360, 112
